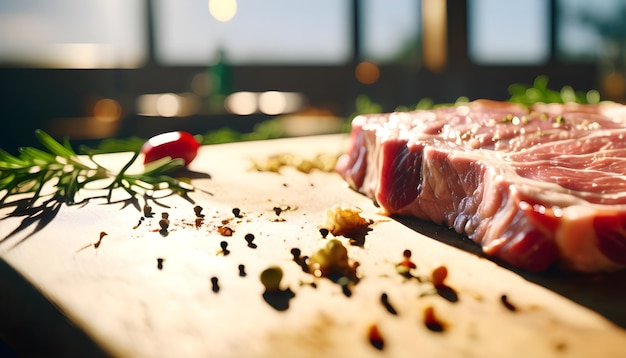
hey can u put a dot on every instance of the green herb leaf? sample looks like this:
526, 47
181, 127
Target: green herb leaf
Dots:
68, 172
52, 145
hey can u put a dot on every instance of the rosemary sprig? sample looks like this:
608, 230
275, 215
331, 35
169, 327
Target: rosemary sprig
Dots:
67, 173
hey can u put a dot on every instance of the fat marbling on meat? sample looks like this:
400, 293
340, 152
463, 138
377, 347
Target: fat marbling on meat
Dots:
535, 187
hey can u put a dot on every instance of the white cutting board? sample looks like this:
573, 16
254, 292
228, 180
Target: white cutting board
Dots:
127, 307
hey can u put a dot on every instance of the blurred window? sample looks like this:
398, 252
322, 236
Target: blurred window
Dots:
112, 33
72, 33
390, 30
589, 30
260, 32
508, 32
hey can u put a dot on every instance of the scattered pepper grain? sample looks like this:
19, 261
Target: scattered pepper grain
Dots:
375, 337
215, 284
249, 239
384, 299
431, 321
224, 246
507, 304
97, 243
438, 276
141, 219
164, 224
147, 211
406, 264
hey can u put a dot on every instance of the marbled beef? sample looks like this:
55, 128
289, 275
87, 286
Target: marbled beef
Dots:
535, 188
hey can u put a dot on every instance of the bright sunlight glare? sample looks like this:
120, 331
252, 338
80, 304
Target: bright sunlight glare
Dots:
223, 10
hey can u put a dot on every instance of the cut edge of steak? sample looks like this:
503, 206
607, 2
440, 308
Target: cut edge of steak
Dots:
535, 188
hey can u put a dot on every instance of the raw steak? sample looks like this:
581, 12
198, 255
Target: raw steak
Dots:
535, 188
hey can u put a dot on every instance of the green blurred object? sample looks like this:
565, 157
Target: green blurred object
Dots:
540, 93
220, 77
113, 145
523, 94
269, 129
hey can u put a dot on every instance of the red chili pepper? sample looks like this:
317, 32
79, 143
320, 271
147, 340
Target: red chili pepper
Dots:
172, 144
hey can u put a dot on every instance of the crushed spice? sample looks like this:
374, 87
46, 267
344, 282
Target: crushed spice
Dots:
225, 231
347, 222
332, 261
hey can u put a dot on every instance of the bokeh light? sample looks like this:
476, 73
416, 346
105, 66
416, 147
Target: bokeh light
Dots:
242, 103
167, 105
107, 110
367, 72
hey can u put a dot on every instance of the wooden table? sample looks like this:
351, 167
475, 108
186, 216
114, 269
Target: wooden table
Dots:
60, 294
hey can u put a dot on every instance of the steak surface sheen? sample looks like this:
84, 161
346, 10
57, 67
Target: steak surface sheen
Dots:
536, 188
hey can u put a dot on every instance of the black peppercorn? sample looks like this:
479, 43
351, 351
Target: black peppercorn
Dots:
224, 246
296, 252
249, 239
215, 284
198, 211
